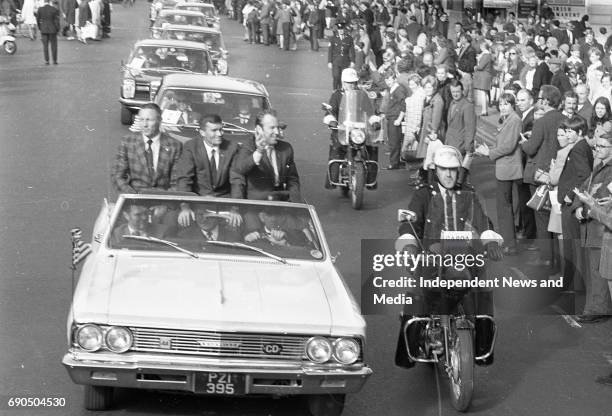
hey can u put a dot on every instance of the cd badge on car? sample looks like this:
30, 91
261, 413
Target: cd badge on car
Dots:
272, 349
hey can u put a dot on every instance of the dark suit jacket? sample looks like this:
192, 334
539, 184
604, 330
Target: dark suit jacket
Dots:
461, 126
413, 29
48, 20
252, 181
561, 81
226, 233
130, 173
466, 61
577, 169
192, 172
586, 112
341, 52
541, 77
528, 121
394, 103
542, 146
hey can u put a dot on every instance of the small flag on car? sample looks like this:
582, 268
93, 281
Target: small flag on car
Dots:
80, 249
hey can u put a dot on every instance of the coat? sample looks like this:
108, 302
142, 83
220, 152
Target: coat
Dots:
576, 170
130, 173
192, 172
483, 72
586, 112
341, 52
507, 152
466, 61
431, 123
541, 77
461, 126
542, 146
48, 19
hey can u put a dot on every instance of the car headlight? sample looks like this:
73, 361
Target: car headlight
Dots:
129, 87
319, 350
89, 337
118, 339
357, 136
346, 350
222, 66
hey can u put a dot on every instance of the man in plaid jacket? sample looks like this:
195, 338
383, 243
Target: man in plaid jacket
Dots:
145, 159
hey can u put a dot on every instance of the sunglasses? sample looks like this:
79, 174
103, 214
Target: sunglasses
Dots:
512, 53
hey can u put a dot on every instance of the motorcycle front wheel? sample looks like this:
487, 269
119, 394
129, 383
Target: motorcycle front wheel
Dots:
358, 176
10, 47
462, 370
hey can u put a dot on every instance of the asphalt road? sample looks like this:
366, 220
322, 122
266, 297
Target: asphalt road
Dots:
60, 128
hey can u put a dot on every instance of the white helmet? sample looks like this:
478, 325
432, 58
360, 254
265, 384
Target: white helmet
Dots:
349, 75
447, 157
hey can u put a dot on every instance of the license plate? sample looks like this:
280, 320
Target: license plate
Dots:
219, 383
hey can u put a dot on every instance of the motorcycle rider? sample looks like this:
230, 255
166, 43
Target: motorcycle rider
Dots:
446, 205
349, 81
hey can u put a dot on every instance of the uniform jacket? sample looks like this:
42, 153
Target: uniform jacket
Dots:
341, 51
48, 19
507, 152
252, 181
461, 125
576, 170
542, 146
192, 172
130, 173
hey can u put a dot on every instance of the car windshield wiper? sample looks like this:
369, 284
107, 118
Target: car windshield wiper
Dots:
235, 126
160, 241
247, 247
174, 68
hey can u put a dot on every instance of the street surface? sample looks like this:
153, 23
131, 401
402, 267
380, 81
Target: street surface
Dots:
60, 130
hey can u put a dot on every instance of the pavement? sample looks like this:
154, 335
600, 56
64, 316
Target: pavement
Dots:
60, 132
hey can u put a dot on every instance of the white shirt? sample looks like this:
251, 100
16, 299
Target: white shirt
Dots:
154, 148
214, 234
529, 79
272, 156
209, 150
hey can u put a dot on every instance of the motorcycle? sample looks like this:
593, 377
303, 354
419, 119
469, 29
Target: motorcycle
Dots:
356, 127
6, 39
447, 334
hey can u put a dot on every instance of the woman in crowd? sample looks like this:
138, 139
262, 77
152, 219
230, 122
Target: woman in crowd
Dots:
28, 14
83, 16
413, 114
482, 78
605, 88
594, 72
431, 124
514, 65
601, 114
508, 167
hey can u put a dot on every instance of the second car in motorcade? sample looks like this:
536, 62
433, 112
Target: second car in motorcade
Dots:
207, 35
149, 61
177, 17
212, 17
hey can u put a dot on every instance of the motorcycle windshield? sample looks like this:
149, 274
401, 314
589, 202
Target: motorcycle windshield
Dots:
355, 110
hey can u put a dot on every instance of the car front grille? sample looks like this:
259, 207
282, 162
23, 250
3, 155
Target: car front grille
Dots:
220, 344
143, 92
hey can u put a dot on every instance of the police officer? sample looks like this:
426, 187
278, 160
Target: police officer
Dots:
341, 54
445, 206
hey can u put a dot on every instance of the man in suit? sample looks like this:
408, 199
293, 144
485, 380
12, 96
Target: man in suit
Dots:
313, 22
585, 108
559, 78
461, 120
181, 105
210, 226
341, 54
204, 165
394, 107
541, 148
269, 226
265, 165
527, 226
137, 224
245, 117
466, 61
542, 74
145, 159
48, 20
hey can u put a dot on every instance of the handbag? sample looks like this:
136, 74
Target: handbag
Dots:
554, 223
540, 200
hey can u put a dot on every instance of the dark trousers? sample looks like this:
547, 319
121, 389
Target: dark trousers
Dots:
314, 42
505, 215
573, 252
394, 134
265, 33
253, 38
544, 237
274, 38
286, 33
49, 38
321, 27
526, 216
337, 76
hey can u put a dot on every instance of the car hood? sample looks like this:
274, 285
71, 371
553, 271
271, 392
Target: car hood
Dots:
205, 294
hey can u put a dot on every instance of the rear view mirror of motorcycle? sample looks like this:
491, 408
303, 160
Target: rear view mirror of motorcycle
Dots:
404, 215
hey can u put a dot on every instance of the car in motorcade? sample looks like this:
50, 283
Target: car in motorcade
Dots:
208, 310
178, 17
149, 61
157, 5
212, 16
237, 101
213, 38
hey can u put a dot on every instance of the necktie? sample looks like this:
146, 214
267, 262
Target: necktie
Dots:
209, 235
213, 167
449, 217
272, 160
149, 158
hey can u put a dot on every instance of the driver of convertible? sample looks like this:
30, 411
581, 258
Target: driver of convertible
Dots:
210, 226
137, 223
445, 206
349, 80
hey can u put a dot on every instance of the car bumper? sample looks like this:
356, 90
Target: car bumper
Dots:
132, 103
175, 372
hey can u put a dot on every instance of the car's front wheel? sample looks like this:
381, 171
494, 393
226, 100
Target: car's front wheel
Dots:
326, 404
126, 116
98, 397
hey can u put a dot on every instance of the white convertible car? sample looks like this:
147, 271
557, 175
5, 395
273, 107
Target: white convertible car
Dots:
244, 301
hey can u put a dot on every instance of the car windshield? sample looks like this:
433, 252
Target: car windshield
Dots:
213, 40
239, 110
180, 19
208, 11
171, 59
279, 231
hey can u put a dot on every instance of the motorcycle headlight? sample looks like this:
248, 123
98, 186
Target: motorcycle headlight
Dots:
129, 87
346, 350
89, 337
319, 350
118, 339
357, 136
222, 66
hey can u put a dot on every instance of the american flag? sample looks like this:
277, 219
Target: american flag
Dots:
80, 249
